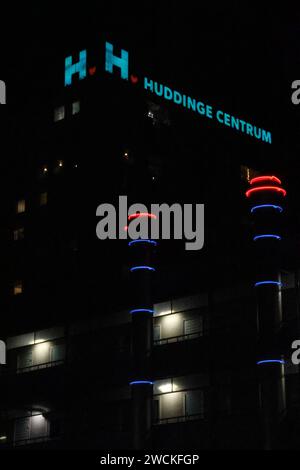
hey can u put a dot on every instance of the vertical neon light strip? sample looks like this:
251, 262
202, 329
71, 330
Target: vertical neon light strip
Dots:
266, 236
141, 268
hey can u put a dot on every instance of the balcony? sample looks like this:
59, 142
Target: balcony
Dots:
178, 339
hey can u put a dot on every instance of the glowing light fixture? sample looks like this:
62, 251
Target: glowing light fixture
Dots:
142, 268
3, 438
259, 237
271, 361
142, 240
274, 283
260, 179
265, 188
267, 206
165, 388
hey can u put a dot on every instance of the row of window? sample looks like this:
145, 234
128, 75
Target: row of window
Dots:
21, 204
19, 232
60, 111
41, 355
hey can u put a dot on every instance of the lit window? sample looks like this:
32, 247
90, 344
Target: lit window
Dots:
21, 206
248, 173
31, 428
19, 234
43, 199
59, 113
18, 288
75, 107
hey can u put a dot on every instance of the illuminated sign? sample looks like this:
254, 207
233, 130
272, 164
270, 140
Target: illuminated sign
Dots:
121, 62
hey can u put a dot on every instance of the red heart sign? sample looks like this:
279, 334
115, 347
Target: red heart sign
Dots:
92, 70
134, 79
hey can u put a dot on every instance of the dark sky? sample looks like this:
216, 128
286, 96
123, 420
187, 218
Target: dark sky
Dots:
238, 57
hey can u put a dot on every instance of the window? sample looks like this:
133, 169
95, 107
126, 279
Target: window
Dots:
174, 327
19, 234
43, 199
193, 326
25, 359
40, 356
59, 113
57, 352
75, 107
248, 173
22, 429
171, 405
155, 410
21, 206
156, 333
194, 402
18, 288
179, 398
30, 428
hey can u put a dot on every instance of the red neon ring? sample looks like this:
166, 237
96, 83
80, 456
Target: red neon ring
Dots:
265, 178
141, 214
266, 188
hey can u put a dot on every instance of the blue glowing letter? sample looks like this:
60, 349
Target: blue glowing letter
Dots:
111, 60
148, 84
79, 67
266, 137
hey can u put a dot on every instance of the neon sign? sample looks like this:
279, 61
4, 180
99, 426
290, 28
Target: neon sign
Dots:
266, 188
121, 62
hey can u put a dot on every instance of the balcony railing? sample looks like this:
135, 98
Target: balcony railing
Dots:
178, 339
35, 440
180, 419
46, 365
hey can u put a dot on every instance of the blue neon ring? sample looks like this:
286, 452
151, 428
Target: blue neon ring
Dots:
146, 268
261, 283
267, 206
141, 310
142, 240
258, 237
271, 361
141, 382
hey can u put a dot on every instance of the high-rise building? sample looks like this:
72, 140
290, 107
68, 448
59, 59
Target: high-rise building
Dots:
103, 357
